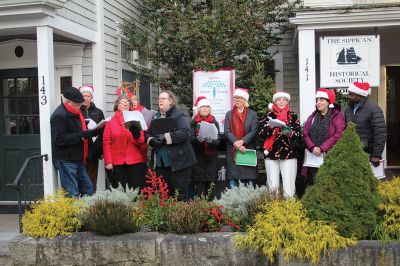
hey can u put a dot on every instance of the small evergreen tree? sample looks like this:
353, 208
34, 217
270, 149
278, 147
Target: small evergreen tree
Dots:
346, 189
262, 90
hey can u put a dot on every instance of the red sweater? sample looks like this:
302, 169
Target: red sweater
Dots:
119, 146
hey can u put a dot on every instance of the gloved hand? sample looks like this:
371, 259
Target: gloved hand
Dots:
286, 130
200, 139
89, 133
135, 132
161, 138
155, 143
375, 161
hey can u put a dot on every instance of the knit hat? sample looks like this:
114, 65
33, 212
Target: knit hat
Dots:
86, 89
73, 94
200, 101
360, 88
242, 92
280, 94
326, 94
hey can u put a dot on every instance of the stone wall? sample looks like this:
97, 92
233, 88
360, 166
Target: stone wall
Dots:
170, 249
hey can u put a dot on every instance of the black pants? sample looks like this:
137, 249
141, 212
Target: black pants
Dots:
92, 167
176, 181
133, 175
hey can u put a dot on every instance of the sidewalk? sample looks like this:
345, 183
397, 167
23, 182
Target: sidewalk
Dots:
8, 230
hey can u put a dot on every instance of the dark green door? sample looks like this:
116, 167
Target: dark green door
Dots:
19, 124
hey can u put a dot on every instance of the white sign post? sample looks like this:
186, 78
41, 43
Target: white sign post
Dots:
346, 59
218, 87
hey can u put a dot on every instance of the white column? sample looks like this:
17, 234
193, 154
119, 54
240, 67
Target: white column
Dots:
307, 79
47, 102
98, 61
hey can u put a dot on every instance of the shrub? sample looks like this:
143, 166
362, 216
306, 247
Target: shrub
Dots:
114, 195
54, 215
243, 200
217, 219
345, 192
284, 225
186, 217
109, 218
389, 209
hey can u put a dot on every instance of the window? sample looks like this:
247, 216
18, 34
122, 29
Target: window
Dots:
144, 89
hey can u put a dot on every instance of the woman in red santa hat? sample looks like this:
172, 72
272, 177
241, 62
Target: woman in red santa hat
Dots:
205, 171
323, 128
241, 126
280, 140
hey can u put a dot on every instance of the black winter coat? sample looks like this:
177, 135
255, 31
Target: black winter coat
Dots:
95, 148
206, 168
66, 135
180, 151
370, 126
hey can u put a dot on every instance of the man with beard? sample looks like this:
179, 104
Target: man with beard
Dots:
369, 120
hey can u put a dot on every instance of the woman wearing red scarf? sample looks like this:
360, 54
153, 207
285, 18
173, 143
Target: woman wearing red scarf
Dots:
241, 125
279, 144
204, 172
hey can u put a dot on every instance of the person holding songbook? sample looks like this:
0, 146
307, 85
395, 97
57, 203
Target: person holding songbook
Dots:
241, 125
280, 131
125, 148
323, 128
172, 153
205, 171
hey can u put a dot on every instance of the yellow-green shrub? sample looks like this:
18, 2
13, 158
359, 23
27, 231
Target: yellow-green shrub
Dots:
389, 227
284, 225
54, 215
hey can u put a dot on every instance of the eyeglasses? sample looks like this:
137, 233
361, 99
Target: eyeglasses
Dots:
162, 98
124, 102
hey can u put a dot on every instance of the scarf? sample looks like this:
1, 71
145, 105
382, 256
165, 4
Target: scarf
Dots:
237, 126
319, 129
209, 119
281, 114
77, 111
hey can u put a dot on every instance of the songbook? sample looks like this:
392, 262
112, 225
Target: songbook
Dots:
276, 123
162, 126
248, 158
91, 124
208, 131
148, 115
379, 171
136, 118
312, 160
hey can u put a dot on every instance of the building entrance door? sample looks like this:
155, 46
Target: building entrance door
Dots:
393, 115
19, 125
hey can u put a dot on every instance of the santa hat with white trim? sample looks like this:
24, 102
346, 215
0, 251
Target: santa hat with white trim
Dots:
280, 94
200, 101
242, 92
86, 88
360, 88
327, 94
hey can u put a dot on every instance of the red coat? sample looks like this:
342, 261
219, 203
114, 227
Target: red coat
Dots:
119, 146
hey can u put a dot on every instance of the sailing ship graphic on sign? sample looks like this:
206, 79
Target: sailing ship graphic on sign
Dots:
348, 57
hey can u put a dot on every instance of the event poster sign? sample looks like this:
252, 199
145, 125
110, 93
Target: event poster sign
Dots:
346, 59
218, 87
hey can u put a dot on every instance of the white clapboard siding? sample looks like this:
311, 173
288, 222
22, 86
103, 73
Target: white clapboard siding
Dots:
82, 12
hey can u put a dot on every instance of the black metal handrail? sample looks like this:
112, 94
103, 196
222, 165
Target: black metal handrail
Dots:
29, 182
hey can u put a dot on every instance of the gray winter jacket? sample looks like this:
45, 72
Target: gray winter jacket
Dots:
370, 126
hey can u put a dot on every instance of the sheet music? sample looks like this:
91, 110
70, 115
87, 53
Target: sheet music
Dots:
275, 122
312, 160
135, 116
379, 171
208, 131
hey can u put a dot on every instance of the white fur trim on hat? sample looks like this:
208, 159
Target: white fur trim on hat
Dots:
241, 93
362, 89
322, 94
203, 102
281, 94
86, 89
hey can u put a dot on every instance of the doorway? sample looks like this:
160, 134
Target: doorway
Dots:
19, 124
393, 115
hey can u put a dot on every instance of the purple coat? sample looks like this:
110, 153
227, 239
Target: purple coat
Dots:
336, 127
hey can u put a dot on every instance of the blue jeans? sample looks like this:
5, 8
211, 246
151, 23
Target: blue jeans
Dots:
235, 182
74, 178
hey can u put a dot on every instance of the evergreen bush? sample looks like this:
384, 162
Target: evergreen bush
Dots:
346, 190
54, 215
109, 218
389, 210
114, 195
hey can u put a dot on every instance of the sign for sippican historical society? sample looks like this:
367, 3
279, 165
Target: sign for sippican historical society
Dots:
218, 87
346, 59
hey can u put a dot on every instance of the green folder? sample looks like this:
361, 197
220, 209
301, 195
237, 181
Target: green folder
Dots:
248, 158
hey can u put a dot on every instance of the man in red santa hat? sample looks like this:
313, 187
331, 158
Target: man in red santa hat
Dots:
369, 120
